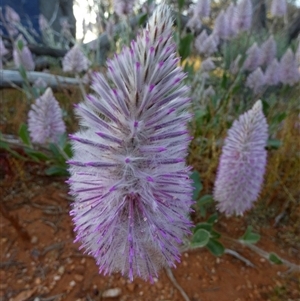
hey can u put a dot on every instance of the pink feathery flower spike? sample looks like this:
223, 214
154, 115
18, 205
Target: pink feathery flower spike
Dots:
278, 8
45, 123
202, 8
128, 175
235, 66
205, 44
243, 16
242, 163
3, 50
272, 73
12, 19
194, 23
289, 73
256, 81
207, 65
268, 51
230, 15
75, 61
123, 7
22, 56
221, 27
254, 58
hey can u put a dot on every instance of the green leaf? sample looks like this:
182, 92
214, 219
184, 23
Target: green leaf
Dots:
4, 145
36, 155
212, 219
22, 72
185, 46
200, 238
215, 247
205, 200
56, 171
273, 144
249, 237
195, 176
20, 44
205, 226
68, 150
180, 4
24, 134
224, 81
57, 154
143, 19
275, 259
215, 234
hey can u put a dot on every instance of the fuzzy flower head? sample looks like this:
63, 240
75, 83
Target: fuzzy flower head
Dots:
45, 123
22, 55
75, 61
221, 27
243, 16
253, 59
256, 81
123, 7
205, 44
194, 23
207, 65
268, 51
278, 8
12, 19
230, 15
272, 73
242, 163
202, 8
3, 50
128, 174
289, 73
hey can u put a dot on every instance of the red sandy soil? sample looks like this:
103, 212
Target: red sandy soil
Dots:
40, 262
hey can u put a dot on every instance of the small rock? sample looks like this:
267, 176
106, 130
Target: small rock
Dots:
184, 263
262, 260
61, 270
131, 287
3, 286
56, 278
72, 283
78, 277
34, 240
112, 293
83, 260
37, 281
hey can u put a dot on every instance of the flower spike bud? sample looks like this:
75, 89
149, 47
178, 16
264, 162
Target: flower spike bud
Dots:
278, 8
242, 163
75, 61
207, 65
202, 8
243, 16
272, 73
128, 175
22, 56
45, 123
289, 73
221, 28
268, 51
123, 7
256, 81
253, 59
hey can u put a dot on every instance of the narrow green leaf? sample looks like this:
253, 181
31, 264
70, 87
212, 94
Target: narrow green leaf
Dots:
275, 259
36, 155
212, 219
273, 144
143, 19
205, 226
24, 134
215, 247
195, 176
185, 46
180, 4
249, 237
200, 238
56, 171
